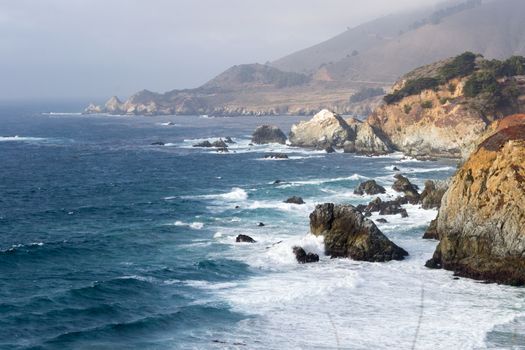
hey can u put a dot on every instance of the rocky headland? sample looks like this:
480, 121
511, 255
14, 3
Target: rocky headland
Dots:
481, 222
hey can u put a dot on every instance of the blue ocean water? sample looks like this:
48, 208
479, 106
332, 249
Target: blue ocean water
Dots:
108, 241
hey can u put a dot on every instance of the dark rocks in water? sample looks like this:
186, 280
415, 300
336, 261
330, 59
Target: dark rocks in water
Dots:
395, 168
369, 187
268, 134
403, 185
244, 239
384, 208
381, 220
219, 144
261, 224
275, 156
276, 182
329, 149
222, 150
432, 231
294, 200
229, 140
433, 264
432, 194
237, 207
158, 143
347, 233
303, 257
203, 144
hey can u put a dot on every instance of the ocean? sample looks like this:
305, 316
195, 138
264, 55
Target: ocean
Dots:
110, 242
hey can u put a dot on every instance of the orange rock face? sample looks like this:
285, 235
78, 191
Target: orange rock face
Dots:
481, 222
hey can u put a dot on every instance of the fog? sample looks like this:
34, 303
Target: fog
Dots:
97, 48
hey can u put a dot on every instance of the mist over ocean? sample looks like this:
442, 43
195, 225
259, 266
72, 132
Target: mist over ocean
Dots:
107, 241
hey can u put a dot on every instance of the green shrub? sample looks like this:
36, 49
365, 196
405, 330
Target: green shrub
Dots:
407, 108
426, 104
412, 87
452, 88
443, 100
481, 82
460, 66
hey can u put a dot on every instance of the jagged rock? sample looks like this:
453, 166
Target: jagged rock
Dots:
384, 208
113, 106
431, 232
369, 187
481, 223
222, 150
93, 109
403, 185
219, 144
303, 257
381, 220
325, 129
294, 200
276, 156
276, 182
203, 144
347, 233
268, 134
432, 194
395, 168
261, 224
244, 239
229, 140
157, 143
368, 141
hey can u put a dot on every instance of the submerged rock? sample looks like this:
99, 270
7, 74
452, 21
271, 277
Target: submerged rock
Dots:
261, 224
244, 239
158, 143
303, 257
347, 233
403, 185
481, 222
294, 200
268, 134
369, 187
203, 144
276, 156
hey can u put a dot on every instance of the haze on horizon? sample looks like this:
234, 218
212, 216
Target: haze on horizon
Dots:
59, 49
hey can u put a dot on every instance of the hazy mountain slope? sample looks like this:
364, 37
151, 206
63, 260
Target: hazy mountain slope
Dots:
494, 29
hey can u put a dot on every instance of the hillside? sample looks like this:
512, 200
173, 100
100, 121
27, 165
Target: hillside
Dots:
358, 62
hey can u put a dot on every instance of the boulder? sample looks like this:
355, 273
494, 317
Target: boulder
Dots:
369, 187
203, 144
329, 149
275, 156
325, 129
261, 224
369, 141
294, 200
431, 231
222, 150
432, 193
244, 239
347, 233
403, 185
229, 140
268, 134
303, 257
481, 222
381, 220
384, 208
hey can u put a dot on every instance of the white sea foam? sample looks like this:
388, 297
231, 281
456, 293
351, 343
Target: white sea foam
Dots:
17, 138
354, 177
236, 194
194, 225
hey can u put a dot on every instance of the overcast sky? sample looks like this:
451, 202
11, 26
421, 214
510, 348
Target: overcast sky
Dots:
98, 48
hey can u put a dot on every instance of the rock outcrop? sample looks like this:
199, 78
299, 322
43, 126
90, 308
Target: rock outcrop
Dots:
244, 239
403, 185
294, 200
432, 194
324, 129
347, 233
369, 187
268, 134
303, 257
481, 222
329, 130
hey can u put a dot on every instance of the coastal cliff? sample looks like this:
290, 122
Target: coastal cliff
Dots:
440, 110
481, 222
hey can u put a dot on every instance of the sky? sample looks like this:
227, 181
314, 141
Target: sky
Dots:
53, 49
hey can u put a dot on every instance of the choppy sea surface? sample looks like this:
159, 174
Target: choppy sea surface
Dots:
108, 241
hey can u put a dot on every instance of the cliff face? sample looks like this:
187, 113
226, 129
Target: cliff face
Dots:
430, 113
481, 222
